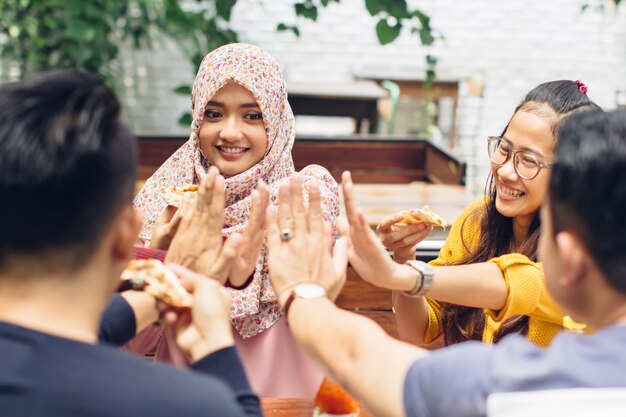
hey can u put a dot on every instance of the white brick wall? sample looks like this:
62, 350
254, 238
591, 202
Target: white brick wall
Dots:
513, 45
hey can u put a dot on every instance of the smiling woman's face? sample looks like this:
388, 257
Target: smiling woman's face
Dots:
517, 197
232, 135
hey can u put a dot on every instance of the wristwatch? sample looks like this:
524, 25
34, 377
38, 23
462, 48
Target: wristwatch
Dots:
306, 290
424, 280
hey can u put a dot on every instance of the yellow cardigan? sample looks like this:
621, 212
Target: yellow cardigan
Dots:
527, 293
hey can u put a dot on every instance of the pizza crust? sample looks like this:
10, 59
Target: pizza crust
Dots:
423, 215
174, 196
153, 277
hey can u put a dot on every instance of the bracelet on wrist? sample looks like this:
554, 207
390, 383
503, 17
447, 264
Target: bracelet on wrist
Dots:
424, 278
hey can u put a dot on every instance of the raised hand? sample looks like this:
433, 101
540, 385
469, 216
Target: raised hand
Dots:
165, 227
253, 238
299, 241
366, 253
198, 243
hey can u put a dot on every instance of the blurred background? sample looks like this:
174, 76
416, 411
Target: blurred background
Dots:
447, 72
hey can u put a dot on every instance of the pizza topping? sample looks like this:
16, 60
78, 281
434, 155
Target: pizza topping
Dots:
423, 215
174, 196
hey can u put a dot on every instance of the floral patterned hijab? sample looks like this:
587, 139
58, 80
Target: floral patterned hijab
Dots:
254, 308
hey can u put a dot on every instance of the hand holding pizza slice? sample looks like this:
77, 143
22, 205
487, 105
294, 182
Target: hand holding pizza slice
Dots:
153, 277
401, 231
423, 215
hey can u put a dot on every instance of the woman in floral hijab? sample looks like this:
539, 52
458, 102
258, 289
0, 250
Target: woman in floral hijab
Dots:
275, 365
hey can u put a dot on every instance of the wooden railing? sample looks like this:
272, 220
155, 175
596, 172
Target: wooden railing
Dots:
371, 158
379, 159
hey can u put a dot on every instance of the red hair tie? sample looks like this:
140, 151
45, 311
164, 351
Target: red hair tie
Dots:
582, 87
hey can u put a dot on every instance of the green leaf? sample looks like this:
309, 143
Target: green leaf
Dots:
431, 60
185, 119
224, 8
80, 30
306, 10
183, 89
387, 33
424, 20
283, 27
396, 8
430, 78
373, 7
426, 36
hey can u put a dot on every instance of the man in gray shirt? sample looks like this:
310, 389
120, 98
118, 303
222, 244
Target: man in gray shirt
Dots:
582, 247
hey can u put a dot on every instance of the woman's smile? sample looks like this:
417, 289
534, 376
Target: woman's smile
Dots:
509, 193
231, 153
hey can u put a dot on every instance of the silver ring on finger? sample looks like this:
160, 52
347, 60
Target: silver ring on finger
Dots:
286, 234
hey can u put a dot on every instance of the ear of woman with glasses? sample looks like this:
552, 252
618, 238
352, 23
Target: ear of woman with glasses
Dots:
486, 282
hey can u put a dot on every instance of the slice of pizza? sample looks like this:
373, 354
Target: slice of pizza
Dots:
423, 215
174, 196
153, 277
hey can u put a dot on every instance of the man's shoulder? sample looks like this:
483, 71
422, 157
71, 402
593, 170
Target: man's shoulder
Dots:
72, 377
572, 360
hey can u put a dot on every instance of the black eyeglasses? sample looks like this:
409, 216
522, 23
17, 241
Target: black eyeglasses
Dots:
526, 165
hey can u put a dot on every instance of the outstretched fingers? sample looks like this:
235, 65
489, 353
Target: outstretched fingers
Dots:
315, 218
272, 227
260, 199
349, 200
223, 263
210, 206
205, 190
298, 210
284, 216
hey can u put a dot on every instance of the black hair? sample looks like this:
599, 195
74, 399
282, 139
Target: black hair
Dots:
588, 189
67, 165
554, 100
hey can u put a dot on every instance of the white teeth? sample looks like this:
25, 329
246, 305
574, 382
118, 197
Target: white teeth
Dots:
510, 192
231, 150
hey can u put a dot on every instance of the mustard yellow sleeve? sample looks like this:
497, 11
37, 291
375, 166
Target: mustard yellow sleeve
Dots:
527, 293
435, 326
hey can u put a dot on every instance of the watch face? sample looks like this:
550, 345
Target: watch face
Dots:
309, 290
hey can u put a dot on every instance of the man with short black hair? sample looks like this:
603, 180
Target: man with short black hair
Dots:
67, 229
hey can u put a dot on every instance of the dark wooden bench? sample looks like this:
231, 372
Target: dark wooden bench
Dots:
371, 158
379, 159
368, 300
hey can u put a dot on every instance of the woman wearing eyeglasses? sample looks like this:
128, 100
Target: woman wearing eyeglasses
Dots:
486, 282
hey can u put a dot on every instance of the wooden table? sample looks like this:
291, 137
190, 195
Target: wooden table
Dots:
356, 99
293, 407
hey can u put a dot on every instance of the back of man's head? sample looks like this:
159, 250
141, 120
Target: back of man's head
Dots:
67, 165
588, 188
